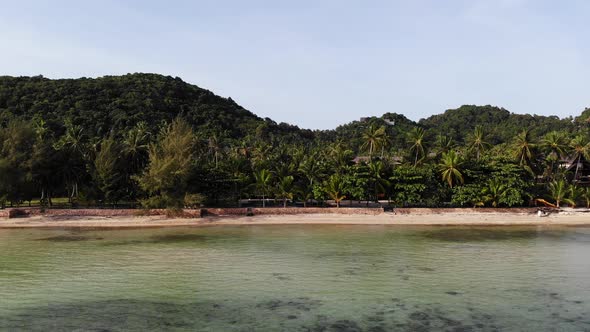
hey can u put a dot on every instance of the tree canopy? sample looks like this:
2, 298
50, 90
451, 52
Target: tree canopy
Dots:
160, 142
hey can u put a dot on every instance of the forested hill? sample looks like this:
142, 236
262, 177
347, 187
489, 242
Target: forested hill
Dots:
161, 142
116, 103
500, 124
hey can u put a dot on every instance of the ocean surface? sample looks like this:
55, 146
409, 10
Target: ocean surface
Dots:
296, 278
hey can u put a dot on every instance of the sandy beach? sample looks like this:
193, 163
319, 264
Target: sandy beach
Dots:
447, 219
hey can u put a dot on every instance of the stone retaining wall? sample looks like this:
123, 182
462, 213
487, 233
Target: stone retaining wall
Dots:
315, 210
197, 213
226, 211
186, 213
422, 211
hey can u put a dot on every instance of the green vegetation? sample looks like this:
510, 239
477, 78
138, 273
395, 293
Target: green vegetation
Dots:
156, 141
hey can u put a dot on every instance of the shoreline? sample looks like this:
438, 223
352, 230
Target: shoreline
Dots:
488, 219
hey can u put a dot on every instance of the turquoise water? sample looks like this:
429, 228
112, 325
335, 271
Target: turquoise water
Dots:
296, 278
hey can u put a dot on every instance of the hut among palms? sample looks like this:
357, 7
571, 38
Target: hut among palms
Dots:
578, 169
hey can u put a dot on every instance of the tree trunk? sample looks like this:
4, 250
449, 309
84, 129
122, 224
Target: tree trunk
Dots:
284, 202
577, 166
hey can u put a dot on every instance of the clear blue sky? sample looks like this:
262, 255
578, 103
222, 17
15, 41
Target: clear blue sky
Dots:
318, 63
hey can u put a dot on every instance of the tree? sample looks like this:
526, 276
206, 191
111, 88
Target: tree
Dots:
334, 187
379, 184
476, 141
373, 138
214, 146
135, 146
170, 162
285, 189
416, 139
340, 157
46, 162
263, 183
495, 192
16, 142
580, 147
495, 181
524, 146
586, 195
109, 174
415, 186
558, 191
554, 146
450, 168
75, 151
574, 195
443, 144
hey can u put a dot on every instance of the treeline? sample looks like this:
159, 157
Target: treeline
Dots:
160, 142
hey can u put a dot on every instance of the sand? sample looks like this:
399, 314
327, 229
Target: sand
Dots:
445, 219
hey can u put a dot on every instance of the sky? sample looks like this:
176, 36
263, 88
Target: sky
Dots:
318, 64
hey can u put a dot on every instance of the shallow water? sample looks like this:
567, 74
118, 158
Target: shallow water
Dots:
296, 278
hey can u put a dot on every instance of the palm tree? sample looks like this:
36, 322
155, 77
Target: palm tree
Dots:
305, 192
416, 138
310, 169
374, 137
379, 183
476, 141
580, 148
135, 145
244, 149
558, 191
554, 146
335, 188
214, 145
443, 144
495, 192
340, 156
574, 194
285, 189
586, 196
74, 143
450, 167
262, 182
524, 150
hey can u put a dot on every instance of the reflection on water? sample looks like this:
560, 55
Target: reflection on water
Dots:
296, 278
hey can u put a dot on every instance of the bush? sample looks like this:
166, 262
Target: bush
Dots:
193, 201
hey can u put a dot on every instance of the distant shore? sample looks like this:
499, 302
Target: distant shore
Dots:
569, 218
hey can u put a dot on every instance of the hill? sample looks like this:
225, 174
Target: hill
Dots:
116, 103
161, 142
500, 124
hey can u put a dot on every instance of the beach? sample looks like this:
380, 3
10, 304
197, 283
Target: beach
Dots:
571, 218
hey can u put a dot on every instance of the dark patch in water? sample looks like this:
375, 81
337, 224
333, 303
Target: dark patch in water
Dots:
425, 269
452, 293
281, 276
173, 238
478, 234
344, 326
162, 239
301, 303
68, 238
277, 314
